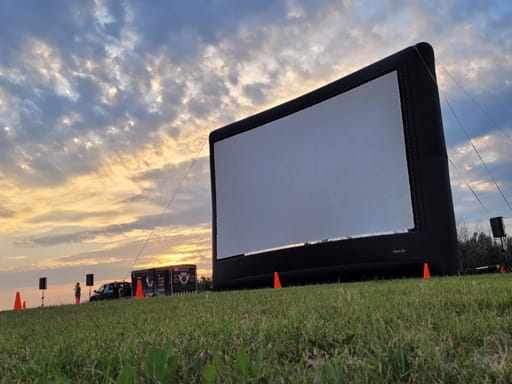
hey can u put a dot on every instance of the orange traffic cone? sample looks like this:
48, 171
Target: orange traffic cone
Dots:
277, 282
426, 271
24, 305
138, 292
17, 302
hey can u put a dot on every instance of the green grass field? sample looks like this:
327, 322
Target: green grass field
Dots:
444, 330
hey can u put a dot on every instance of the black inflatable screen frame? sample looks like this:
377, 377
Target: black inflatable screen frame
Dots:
433, 239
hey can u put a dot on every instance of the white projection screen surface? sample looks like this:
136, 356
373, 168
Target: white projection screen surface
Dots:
334, 170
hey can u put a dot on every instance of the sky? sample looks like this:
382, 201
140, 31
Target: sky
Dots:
106, 107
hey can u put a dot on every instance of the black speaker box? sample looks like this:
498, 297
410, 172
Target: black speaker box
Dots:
498, 229
42, 283
89, 279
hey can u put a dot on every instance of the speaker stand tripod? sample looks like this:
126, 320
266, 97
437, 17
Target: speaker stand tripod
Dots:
504, 267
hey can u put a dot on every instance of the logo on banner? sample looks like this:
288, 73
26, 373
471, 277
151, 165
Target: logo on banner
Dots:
184, 277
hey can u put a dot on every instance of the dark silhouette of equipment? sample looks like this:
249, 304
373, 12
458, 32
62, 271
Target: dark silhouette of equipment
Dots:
498, 231
42, 287
89, 281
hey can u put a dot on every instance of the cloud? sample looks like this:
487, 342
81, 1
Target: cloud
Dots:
484, 180
191, 245
161, 184
182, 216
190, 206
55, 77
181, 27
55, 216
5, 212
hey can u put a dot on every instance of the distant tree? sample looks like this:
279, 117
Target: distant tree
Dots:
480, 249
204, 284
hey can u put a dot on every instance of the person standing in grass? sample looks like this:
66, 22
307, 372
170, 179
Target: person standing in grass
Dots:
77, 293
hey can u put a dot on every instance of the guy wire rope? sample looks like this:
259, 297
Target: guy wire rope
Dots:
169, 202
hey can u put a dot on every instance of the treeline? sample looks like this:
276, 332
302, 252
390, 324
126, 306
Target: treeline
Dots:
479, 249
204, 284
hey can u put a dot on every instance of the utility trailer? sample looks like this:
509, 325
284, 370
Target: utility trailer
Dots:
167, 280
